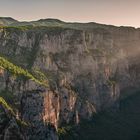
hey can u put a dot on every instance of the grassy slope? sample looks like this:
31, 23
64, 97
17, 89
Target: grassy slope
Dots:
18, 71
11, 112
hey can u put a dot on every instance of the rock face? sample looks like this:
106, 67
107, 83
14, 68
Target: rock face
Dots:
89, 71
9, 127
33, 111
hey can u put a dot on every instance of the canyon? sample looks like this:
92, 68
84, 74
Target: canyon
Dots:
69, 73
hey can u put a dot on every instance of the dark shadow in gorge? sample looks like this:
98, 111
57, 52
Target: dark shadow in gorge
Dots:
123, 124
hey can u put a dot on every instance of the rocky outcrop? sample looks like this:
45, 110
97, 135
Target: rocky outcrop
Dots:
32, 110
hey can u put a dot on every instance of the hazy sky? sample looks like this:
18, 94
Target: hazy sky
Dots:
116, 12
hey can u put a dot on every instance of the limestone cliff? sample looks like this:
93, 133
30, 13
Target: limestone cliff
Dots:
88, 69
10, 127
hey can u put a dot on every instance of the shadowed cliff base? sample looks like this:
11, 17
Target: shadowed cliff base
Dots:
123, 124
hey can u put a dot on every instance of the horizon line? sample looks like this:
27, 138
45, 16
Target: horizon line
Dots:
72, 21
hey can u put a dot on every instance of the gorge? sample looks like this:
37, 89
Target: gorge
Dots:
56, 75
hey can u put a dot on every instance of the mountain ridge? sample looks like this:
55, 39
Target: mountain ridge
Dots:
9, 21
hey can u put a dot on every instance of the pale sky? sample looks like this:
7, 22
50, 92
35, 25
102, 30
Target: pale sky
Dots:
115, 12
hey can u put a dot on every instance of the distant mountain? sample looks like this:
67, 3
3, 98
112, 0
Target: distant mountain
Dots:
6, 21
51, 23
41, 22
